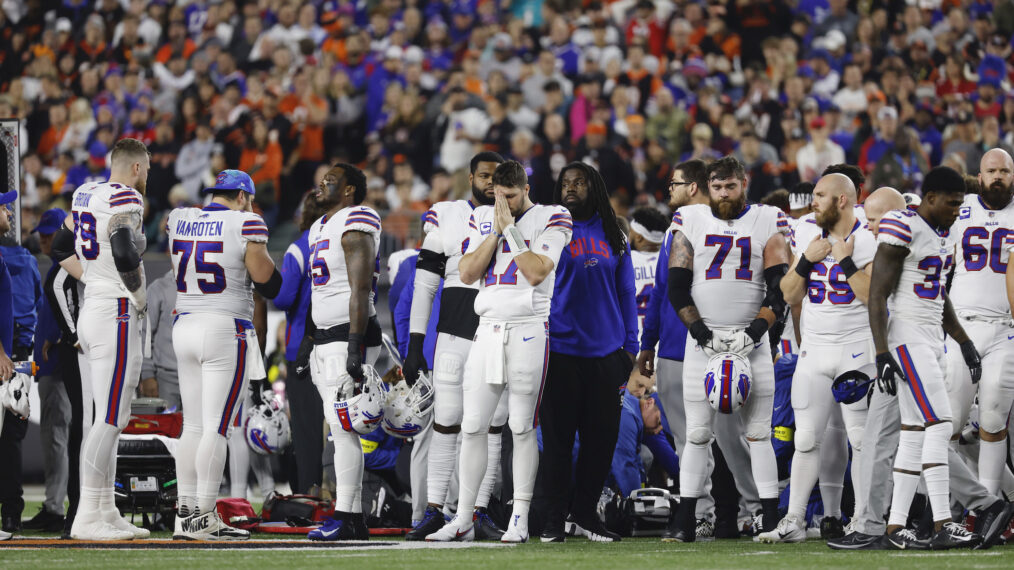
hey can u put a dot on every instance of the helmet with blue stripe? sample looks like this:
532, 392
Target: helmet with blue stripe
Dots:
408, 410
267, 427
364, 411
854, 385
727, 381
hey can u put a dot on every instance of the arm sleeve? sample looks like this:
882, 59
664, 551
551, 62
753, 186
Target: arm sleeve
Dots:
60, 293
649, 336
627, 293
425, 282
254, 229
626, 467
292, 278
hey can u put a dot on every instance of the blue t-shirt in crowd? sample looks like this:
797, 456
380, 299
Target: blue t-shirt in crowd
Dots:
594, 310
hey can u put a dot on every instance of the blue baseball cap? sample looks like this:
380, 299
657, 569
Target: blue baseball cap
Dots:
233, 180
8, 197
50, 221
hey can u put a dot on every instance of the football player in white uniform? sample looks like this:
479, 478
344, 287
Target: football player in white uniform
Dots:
344, 269
978, 292
101, 243
219, 256
446, 227
512, 251
912, 255
831, 277
725, 267
647, 230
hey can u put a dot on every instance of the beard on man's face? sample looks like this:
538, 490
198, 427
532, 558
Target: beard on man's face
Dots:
479, 194
997, 194
728, 208
827, 218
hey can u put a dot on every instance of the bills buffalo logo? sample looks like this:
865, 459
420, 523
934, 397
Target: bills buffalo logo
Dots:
591, 262
124, 318
221, 178
259, 439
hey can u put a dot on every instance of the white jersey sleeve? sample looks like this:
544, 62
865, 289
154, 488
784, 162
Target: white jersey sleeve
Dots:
504, 292
644, 263
446, 227
832, 314
208, 250
919, 295
94, 206
330, 292
728, 266
979, 286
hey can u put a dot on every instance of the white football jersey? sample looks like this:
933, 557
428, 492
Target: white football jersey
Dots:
94, 205
208, 248
728, 284
644, 282
832, 313
504, 293
979, 285
329, 277
919, 296
446, 228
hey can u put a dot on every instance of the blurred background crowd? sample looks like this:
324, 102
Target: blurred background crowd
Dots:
411, 89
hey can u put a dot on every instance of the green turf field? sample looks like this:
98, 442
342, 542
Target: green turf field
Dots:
631, 554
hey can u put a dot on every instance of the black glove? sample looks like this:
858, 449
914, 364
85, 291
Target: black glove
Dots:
354, 360
701, 333
302, 361
257, 389
887, 370
415, 360
972, 360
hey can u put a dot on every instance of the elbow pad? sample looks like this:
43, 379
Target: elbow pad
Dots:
431, 261
270, 289
680, 279
124, 253
63, 244
774, 298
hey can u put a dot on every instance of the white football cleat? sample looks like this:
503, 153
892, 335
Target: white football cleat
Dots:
98, 530
789, 529
460, 529
517, 530
14, 395
208, 526
114, 518
5, 535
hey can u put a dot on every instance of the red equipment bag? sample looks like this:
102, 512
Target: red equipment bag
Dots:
237, 513
169, 425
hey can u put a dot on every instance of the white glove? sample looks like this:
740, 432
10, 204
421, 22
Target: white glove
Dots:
739, 342
713, 346
14, 395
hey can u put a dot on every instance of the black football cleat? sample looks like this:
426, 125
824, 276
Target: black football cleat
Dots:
432, 521
993, 522
857, 541
954, 535
831, 528
906, 539
359, 529
596, 530
485, 527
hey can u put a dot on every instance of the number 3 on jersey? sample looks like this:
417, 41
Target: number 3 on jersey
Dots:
214, 280
84, 227
933, 266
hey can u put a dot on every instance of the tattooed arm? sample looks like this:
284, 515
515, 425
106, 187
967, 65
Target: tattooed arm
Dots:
122, 229
681, 274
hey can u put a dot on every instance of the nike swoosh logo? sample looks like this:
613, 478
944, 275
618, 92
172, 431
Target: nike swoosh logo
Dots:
328, 533
1010, 337
460, 534
857, 355
526, 339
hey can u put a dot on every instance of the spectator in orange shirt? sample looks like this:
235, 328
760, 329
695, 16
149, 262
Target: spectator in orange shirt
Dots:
178, 43
54, 134
262, 160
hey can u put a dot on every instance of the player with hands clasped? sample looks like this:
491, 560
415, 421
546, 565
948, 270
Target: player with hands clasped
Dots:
446, 227
831, 278
726, 263
101, 243
344, 268
219, 255
913, 257
512, 251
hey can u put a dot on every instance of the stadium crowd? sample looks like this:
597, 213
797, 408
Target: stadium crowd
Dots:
410, 91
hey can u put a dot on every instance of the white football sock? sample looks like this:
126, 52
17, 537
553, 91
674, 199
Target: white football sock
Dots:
96, 470
186, 468
802, 479
348, 470
765, 468
526, 465
440, 464
492, 469
908, 458
473, 468
992, 460
936, 444
239, 463
693, 467
833, 461
210, 463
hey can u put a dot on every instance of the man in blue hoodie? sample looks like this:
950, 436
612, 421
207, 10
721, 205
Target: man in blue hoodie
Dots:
593, 343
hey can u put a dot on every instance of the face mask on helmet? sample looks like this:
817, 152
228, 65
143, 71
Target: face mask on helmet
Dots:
854, 385
727, 382
408, 410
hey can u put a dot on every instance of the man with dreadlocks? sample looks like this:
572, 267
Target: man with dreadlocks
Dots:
593, 344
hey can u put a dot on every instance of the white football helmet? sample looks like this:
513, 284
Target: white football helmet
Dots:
267, 427
14, 395
408, 410
727, 381
363, 412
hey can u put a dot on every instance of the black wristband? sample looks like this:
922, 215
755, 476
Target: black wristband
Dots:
270, 289
848, 266
700, 332
356, 342
804, 267
757, 328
